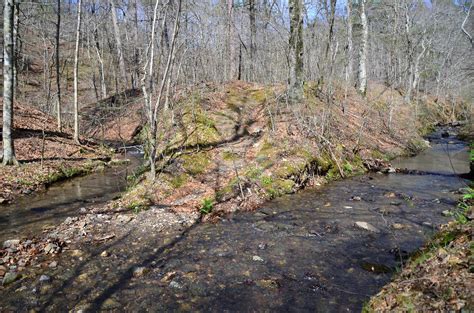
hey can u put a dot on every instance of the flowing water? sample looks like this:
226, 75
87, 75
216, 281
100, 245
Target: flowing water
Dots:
298, 253
31, 214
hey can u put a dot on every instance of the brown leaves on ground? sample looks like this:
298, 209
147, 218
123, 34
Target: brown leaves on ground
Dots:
44, 153
440, 278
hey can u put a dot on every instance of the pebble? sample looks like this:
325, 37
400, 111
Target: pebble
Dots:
367, 226
446, 213
140, 271
262, 246
104, 254
50, 248
3, 201
398, 226
53, 264
176, 285
356, 198
256, 258
44, 278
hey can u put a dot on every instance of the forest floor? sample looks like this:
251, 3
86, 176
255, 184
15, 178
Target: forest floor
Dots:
223, 149
45, 155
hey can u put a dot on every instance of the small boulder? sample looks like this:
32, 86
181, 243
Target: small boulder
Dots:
367, 226
9, 278
44, 278
12, 243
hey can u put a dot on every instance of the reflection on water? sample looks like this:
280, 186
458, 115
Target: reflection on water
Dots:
446, 156
30, 214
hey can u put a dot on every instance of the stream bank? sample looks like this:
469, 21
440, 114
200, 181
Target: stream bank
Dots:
311, 251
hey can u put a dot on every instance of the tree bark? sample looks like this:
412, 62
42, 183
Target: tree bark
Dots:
253, 38
8, 83
58, 78
350, 61
118, 43
362, 83
76, 67
295, 58
232, 61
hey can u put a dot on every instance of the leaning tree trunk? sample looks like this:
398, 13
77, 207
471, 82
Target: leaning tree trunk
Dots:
362, 83
8, 83
76, 66
295, 57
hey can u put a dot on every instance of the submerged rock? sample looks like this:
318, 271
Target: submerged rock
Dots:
367, 226
256, 258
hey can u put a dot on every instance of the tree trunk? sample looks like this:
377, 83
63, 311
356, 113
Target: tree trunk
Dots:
8, 82
118, 43
295, 82
362, 83
58, 78
253, 38
76, 66
350, 61
233, 66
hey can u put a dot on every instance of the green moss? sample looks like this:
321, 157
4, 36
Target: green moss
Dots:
259, 95
178, 180
325, 163
195, 163
279, 187
200, 128
288, 169
228, 191
253, 173
230, 156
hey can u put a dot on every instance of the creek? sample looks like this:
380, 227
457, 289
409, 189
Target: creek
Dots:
301, 252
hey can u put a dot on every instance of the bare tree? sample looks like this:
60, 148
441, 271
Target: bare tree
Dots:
362, 82
152, 109
118, 43
76, 68
58, 66
8, 83
295, 55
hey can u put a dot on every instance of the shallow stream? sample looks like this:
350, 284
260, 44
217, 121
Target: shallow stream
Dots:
301, 252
